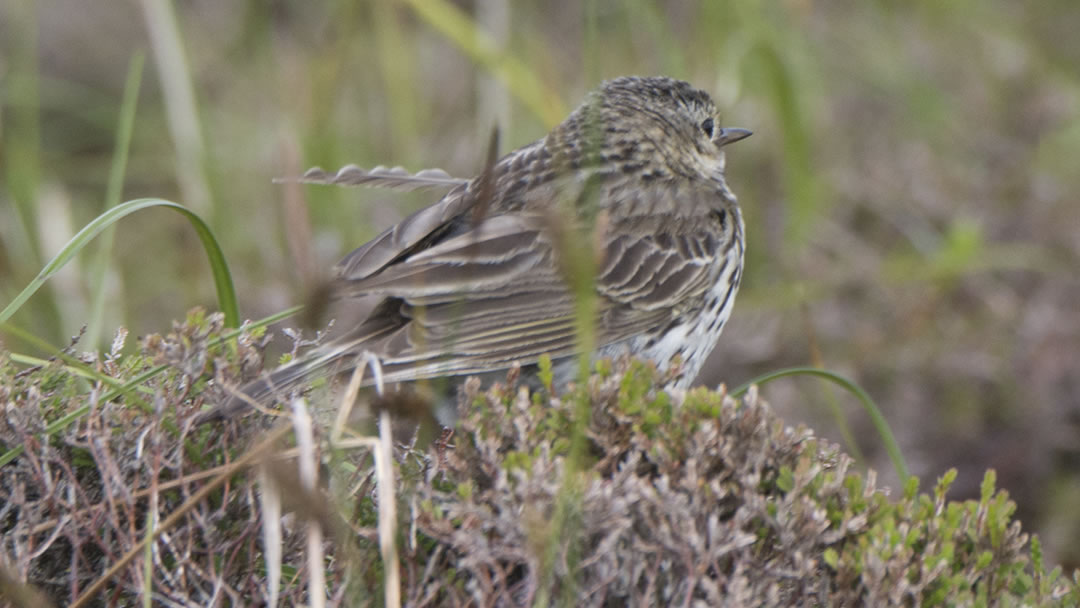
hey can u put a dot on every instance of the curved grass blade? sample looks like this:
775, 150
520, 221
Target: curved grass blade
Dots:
868, 404
222, 278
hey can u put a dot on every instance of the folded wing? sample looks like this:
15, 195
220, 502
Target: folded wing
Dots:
493, 293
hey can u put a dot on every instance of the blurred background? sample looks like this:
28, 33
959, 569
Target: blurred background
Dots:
910, 189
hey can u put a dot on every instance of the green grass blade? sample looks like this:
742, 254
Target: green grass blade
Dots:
871, 408
806, 202
475, 43
29, 338
181, 108
22, 135
124, 129
75, 368
222, 278
21, 153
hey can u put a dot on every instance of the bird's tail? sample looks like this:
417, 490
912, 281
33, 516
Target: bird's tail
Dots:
278, 383
328, 360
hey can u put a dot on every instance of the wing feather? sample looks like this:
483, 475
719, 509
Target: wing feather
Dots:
481, 296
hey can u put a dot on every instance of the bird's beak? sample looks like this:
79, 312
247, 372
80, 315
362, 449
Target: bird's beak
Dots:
731, 135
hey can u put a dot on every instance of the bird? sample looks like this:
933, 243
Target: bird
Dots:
484, 280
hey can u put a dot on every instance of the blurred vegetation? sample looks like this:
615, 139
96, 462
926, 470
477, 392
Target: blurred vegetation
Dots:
908, 191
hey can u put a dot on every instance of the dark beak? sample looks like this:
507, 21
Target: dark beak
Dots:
731, 135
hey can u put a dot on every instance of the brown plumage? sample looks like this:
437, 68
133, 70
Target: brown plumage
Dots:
478, 281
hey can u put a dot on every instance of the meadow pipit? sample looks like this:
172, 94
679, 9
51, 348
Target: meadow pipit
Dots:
481, 280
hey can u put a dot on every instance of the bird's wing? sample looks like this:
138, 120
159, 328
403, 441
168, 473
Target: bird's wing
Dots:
669, 248
475, 302
455, 213
411, 234
494, 294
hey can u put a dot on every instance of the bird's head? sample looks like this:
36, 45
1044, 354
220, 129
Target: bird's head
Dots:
655, 127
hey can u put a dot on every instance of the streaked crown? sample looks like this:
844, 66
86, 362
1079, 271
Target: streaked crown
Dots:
655, 128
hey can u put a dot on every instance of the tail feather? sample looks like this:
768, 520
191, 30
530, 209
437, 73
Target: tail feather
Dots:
277, 384
329, 360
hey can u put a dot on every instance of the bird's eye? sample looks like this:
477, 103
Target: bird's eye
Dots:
707, 126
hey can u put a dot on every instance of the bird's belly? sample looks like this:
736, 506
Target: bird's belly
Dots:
693, 339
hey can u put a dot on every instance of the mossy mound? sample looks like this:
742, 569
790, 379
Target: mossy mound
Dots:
689, 499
